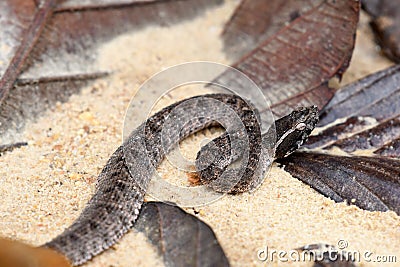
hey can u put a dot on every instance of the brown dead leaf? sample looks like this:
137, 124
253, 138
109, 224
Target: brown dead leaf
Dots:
293, 66
370, 111
50, 47
182, 239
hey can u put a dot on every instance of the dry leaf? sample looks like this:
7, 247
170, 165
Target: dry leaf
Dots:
370, 111
50, 49
293, 66
182, 239
371, 183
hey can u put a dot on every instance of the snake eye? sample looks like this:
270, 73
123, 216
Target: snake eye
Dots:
301, 126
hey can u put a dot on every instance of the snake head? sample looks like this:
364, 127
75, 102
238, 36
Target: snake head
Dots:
293, 130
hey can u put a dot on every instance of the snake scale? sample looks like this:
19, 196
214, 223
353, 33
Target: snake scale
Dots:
122, 184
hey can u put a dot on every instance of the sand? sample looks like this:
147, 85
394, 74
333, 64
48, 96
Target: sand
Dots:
45, 185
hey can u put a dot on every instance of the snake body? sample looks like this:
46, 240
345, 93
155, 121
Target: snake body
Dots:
122, 184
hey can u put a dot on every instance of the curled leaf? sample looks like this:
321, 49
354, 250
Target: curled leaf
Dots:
376, 96
373, 138
181, 238
370, 113
338, 131
371, 183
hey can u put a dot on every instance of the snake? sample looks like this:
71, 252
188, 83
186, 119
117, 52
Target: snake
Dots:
121, 186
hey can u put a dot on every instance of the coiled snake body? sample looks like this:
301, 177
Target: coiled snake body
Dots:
122, 184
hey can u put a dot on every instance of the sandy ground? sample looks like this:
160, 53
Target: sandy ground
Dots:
45, 185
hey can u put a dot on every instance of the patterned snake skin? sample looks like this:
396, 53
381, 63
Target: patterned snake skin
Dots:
122, 184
